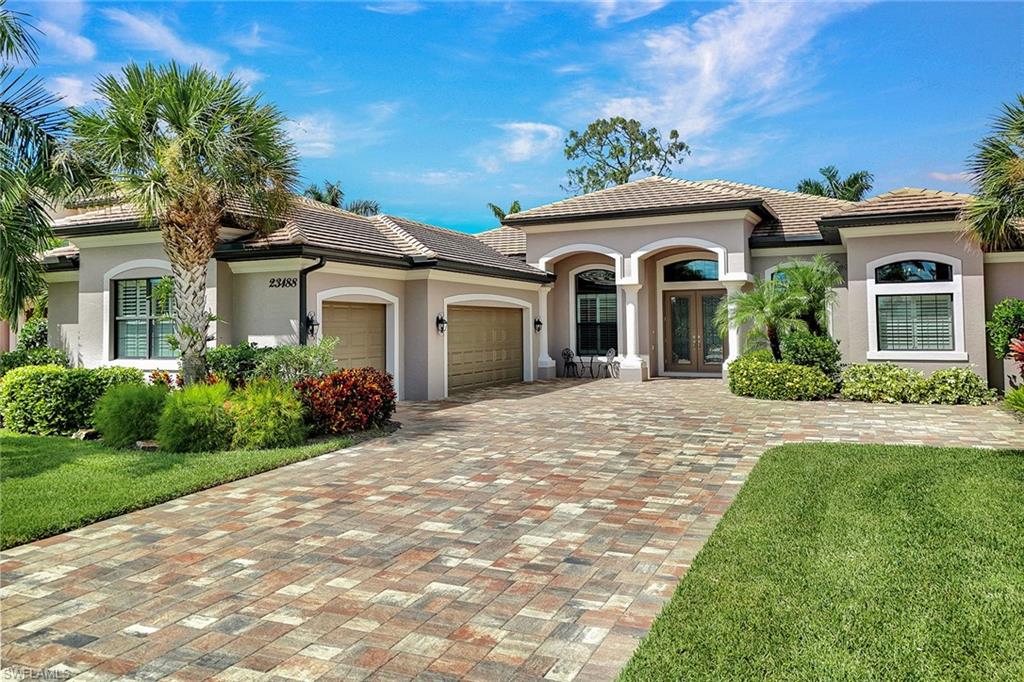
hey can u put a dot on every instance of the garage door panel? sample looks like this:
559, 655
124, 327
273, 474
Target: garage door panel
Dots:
361, 330
485, 346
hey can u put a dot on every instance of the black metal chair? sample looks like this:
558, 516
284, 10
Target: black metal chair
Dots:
571, 366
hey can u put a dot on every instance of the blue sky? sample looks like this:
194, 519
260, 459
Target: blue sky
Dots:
434, 109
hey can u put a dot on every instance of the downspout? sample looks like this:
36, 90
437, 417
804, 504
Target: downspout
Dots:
302, 297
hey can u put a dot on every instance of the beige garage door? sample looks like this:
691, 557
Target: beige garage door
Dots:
361, 332
485, 346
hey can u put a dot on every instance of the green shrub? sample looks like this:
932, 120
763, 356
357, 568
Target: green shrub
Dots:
1007, 322
235, 364
196, 419
758, 376
883, 382
806, 349
289, 364
267, 414
33, 334
348, 400
107, 377
958, 386
32, 356
1015, 399
129, 413
48, 399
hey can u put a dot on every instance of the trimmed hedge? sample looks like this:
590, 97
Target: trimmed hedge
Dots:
196, 419
958, 386
267, 414
809, 350
50, 399
1006, 323
31, 356
757, 375
235, 364
34, 334
129, 413
348, 400
885, 382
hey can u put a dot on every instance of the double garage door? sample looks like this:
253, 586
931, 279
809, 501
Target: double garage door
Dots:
485, 346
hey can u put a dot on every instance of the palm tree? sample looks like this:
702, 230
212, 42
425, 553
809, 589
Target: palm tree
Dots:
178, 145
35, 175
995, 217
768, 307
812, 286
500, 213
851, 188
333, 195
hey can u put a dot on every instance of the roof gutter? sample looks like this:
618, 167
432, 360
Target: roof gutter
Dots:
303, 274
889, 218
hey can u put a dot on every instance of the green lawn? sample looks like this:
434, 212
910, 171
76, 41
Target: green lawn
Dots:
855, 563
49, 485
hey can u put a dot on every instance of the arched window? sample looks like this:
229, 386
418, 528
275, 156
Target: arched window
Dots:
913, 271
596, 308
698, 270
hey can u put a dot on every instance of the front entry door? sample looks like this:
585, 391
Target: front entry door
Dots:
692, 343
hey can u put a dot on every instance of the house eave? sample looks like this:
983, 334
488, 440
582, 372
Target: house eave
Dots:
756, 205
888, 219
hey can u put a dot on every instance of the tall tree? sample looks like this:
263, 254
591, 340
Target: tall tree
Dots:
35, 173
180, 144
332, 194
767, 306
851, 188
812, 285
613, 150
995, 217
500, 213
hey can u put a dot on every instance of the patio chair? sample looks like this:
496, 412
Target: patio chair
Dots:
610, 367
572, 367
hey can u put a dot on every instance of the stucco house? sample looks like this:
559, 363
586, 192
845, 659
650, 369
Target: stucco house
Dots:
639, 268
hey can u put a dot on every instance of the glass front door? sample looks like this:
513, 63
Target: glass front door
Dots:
692, 342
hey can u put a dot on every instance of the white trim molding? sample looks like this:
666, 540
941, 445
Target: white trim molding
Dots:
391, 316
797, 250
1005, 257
108, 320
633, 276
495, 301
572, 305
570, 249
959, 353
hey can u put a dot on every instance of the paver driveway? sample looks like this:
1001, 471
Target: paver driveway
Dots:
523, 532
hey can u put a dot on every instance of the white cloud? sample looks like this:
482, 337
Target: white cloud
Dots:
321, 134
740, 60
314, 135
622, 11
950, 177
394, 7
71, 44
431, 178
523, 141
74, 91
251, 41
247, 76
147, 32
570, 69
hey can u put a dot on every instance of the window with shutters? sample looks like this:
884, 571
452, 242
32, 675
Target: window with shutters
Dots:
596, 308
915, 322
142, 326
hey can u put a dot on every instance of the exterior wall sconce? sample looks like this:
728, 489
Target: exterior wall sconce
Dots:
538, 325
442, 324
311, 325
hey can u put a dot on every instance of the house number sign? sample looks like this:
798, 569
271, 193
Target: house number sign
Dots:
283, 282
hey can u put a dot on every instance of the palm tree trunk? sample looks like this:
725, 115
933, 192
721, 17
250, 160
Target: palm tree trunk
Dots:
773, 341
813, 326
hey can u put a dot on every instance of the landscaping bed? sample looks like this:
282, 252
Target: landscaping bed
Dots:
855, 562
50, 484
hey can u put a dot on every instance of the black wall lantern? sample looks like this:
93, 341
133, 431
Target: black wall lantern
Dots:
538, 325
311, 325
442, 324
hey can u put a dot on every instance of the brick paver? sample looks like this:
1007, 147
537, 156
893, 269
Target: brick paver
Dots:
525, 532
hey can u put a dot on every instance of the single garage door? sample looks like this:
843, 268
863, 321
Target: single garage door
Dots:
485, 346
361, 332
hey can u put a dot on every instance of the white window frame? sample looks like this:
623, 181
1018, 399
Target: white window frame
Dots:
874, 290
572, 305
109, 276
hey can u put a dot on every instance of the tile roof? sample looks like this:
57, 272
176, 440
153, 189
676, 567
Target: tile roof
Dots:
652, 195
311, 223
905, 202
510, 241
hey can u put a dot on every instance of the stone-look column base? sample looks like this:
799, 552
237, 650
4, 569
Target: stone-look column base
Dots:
546, 371
632, 371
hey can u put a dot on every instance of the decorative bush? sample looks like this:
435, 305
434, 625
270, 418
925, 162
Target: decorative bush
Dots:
806, 349
33, 334
236, 364
1015, 399
267, 414
757, 375
348, 400
161, 377
129, 413
958, 386
32, 356
1006, 323
289, 364
883, 382
50, 399
1017, 351
196, 419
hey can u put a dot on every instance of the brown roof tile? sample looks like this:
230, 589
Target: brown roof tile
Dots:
798, 213
905, 202
510, 241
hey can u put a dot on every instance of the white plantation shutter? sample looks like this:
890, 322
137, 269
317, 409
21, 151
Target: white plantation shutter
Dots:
915, 322
141, 330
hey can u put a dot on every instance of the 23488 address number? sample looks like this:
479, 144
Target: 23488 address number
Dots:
283, 282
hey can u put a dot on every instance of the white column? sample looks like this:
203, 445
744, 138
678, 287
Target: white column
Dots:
735, 335
632, 366
545, 363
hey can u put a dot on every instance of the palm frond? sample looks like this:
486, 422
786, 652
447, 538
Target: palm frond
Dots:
366, 207
16, 39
